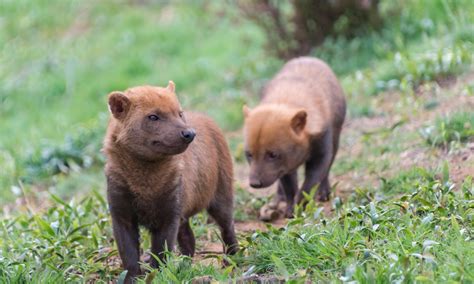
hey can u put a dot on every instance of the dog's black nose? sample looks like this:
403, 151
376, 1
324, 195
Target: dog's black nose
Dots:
188, 135
256, 184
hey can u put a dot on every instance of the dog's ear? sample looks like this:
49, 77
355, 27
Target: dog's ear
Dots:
298, 122
246, 111
171, 86
119, 105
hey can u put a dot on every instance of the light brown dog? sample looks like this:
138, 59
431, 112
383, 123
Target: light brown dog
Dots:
298, 121
164, 166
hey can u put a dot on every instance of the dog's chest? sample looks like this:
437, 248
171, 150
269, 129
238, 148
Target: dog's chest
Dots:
154, 212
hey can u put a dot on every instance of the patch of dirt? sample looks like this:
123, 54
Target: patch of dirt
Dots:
446, 81
34, 200
411, 111
211, 254
462, 164
252, 226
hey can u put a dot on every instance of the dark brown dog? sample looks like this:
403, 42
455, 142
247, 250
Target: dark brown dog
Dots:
159, 174
298, 121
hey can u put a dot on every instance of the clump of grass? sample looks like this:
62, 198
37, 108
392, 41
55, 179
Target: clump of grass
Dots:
246, 204
406, 180
70, 242
361, 111
447, 130
180, 269
409, 70
81, 150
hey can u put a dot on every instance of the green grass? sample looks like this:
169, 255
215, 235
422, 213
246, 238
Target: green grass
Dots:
407, 179
246, 205
425, 233
76, 153
57, 70
64, 243
446, 130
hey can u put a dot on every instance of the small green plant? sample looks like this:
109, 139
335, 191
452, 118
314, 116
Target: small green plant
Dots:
411, 70
69, 242
82, 150
446, 130
246, 204
406, 181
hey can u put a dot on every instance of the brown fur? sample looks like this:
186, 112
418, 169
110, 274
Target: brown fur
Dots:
298, 121
155, 179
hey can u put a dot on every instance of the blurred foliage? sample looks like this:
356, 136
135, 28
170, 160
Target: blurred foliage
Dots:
247, 205
60, 59
411, 70
459, 127
294, 28
78, 152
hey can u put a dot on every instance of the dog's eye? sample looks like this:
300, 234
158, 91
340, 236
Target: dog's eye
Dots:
181, 114
153, 117
271, 155
248, 155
